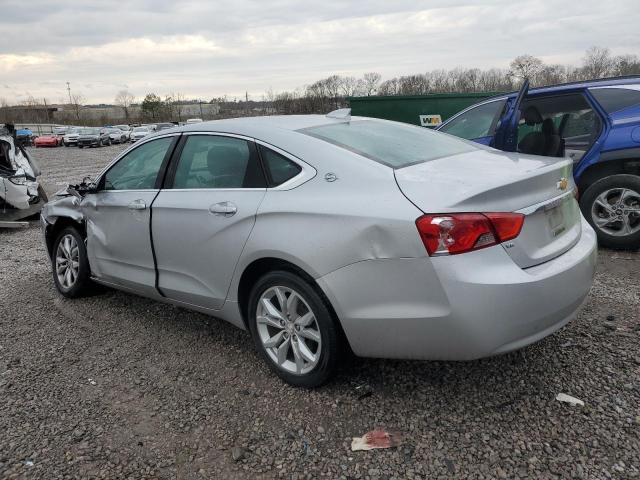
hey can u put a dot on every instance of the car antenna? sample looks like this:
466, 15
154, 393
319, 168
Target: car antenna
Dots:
341, 114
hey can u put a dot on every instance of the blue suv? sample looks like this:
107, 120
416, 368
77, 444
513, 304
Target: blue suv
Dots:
595, 123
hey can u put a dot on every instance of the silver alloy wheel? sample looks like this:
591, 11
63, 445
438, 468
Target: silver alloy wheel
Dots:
289, 330
617, 211
67, 261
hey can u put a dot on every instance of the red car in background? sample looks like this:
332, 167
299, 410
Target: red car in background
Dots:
48, 140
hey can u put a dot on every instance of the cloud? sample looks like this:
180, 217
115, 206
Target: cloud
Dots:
205, 49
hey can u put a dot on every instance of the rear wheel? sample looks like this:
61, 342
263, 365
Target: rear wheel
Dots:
293, 329
71, 273
612, 207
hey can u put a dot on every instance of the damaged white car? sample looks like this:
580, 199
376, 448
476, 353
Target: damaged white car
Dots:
21, 195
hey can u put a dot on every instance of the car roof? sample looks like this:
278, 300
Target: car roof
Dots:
560, 87
261, 127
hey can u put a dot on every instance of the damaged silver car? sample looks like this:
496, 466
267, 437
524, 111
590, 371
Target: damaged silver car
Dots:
21, 195
323, 234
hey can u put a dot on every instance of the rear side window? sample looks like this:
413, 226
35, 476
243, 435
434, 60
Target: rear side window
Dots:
210, 161
477, 122
393, 144
279, 168
614, 99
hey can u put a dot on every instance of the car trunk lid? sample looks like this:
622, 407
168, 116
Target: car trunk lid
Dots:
491, 181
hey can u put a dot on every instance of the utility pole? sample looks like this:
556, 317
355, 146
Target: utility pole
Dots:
69, 90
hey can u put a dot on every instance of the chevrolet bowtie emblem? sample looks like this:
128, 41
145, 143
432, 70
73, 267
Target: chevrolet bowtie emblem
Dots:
562, 184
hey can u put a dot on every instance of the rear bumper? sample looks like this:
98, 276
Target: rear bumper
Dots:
459, 307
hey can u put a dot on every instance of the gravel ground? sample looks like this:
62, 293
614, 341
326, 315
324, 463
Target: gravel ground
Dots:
117, 386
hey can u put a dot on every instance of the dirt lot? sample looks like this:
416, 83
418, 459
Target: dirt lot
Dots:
116, 386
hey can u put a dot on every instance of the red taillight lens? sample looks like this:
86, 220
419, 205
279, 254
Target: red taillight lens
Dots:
506, 225
450, 234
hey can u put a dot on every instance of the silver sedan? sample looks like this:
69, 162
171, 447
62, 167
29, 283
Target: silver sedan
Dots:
328, 234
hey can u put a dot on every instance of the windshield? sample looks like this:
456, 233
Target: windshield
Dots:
89, 131
123, 127
393, 144
141, 129
72, 131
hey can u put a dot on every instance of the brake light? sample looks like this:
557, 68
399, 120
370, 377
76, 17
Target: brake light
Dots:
450, 234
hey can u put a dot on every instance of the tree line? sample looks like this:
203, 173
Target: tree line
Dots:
333, 91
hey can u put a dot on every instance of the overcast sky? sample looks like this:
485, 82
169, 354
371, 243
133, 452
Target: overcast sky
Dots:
214, 48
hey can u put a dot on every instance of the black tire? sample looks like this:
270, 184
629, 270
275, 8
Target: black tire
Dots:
80, 146
329, 334
588, 199
82, 284
66, 144
108, 144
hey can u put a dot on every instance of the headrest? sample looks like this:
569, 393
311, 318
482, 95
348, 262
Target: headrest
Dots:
548, 127
531, 115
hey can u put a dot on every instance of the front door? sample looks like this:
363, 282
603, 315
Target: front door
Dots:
506, 134
118, 217
203, 218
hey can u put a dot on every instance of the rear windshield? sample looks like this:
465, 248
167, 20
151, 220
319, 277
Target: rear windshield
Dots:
392, 144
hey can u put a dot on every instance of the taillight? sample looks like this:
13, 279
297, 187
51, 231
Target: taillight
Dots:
450, 234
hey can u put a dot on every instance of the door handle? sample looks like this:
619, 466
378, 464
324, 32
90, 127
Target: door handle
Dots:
225, 209
137, 205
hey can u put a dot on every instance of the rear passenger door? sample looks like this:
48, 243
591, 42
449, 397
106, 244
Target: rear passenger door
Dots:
203, 216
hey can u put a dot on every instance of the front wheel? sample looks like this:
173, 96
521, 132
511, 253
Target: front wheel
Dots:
71, 273
293, 329
612, 207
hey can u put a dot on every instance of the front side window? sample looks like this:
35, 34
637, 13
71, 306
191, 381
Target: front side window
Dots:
139, 168
477, 122
210, 161
393, 144
279, 168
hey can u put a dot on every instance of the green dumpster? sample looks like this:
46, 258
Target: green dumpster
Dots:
425, 110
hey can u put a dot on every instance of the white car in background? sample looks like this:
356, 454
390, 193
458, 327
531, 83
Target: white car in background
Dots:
139, 133
127, 131
116, 135
71, 137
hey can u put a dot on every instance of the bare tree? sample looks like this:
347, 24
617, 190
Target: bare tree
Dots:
370, 82
77, 99
626, 65
348, 86
597, 63
124, 99
525, 66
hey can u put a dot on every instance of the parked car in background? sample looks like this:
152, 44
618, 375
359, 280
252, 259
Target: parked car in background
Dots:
71, 137
24, 136
48, 140
93, 137
116, 135
60, 131
322, 232
164, 126
126, 129
596, 124
193, 120
139, 132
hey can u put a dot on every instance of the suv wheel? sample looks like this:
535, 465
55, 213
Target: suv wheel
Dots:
71, 273
612, 207
293, 329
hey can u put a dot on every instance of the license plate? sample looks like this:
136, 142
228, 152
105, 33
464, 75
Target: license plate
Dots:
555, 219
